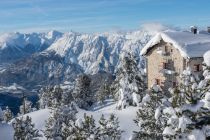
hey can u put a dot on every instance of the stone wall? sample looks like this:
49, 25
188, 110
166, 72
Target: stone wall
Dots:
196, 61
174, 62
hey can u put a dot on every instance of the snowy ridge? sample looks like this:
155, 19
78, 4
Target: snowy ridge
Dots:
99, 52
21, 40
21, 45
12, 89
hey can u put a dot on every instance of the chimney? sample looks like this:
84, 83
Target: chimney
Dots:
194, 29
208, 29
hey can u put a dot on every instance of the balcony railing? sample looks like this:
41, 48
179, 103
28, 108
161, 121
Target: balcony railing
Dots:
167, 71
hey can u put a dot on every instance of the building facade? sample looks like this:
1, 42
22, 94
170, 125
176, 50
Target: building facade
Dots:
165, 62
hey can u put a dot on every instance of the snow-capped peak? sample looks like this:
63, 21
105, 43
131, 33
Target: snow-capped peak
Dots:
96, 52
53, 34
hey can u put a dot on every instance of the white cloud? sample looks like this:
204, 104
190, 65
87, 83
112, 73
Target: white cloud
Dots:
155, 27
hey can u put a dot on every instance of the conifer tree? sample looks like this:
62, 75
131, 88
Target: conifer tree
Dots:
61, 122
82, 92
147, 119
54, 96
188, 86
7, 114
109, 129
86, 129
103, 93
46, 97
26, 107
188, 115
1, 115
66, 98
130, 82
24, 129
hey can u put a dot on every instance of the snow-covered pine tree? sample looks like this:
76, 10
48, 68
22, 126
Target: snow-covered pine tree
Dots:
26, 107
204, 85
188, 86
188, 117
7, 114
45, 97
103, 127
1, 115
53, 126
52, 96
85, 129
129, 84
103, 93
147, 119
82, 92
61, 122
109, 129
66, 97
24, 129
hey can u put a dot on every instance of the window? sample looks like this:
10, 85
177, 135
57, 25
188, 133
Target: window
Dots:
157, 81
196, 67
174, 84
171, 50
166, 49
164, 65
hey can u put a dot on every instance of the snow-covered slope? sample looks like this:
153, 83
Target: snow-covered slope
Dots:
126, 117
99, 52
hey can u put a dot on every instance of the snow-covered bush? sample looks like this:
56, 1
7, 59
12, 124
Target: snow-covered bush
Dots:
129, 85
24, 129
82, 93
7, 114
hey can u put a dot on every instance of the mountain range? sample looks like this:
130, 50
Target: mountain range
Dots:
37, 59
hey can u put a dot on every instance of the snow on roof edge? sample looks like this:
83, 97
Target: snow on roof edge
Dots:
162, 36
155, 40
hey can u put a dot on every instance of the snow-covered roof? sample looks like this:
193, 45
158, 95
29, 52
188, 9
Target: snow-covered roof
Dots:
190, 45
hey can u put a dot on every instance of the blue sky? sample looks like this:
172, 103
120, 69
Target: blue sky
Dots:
99, 15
